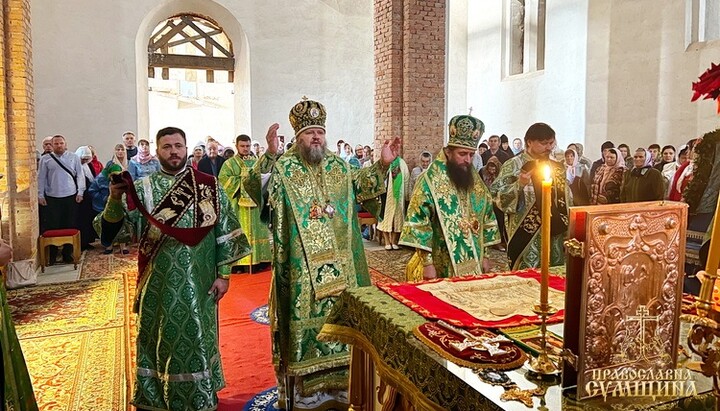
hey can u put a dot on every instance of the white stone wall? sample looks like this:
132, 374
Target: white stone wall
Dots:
640, 75
555, 95
614, 70
90, 75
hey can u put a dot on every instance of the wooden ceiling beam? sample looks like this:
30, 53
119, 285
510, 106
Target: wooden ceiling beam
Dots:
190, 62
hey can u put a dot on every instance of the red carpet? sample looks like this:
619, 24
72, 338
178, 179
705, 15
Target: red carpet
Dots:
244, 344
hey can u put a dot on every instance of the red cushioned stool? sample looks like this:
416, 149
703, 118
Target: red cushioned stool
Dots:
366, 218
58, 238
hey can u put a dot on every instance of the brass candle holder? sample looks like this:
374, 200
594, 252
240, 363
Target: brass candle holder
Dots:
542, 365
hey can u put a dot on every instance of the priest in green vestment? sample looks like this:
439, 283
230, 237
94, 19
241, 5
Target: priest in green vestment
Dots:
189, 238
516, 191
16, 391
232, 174
450, 219
317, 253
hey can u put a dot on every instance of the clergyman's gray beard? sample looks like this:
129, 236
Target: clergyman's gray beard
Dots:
312, 155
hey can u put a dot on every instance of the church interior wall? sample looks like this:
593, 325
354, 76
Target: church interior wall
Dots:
556, 95
85, 70
640, 70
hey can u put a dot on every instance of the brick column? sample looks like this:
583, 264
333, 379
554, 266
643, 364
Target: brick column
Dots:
17, 133
410, 75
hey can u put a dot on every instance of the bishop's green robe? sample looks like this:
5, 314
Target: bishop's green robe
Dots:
517, 202
232, 174
454, 228
178, 357
317, 255
17, 390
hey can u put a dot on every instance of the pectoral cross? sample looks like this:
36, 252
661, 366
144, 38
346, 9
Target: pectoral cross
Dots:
491, 345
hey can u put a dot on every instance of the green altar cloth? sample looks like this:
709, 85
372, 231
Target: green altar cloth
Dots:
382, 327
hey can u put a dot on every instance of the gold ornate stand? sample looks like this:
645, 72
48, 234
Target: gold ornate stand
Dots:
543, 365
704, 336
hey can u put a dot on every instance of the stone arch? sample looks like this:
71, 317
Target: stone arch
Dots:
232, 28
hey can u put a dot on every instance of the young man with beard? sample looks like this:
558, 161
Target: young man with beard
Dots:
188, 239
318, 253
450, 219
516, 192
232, 177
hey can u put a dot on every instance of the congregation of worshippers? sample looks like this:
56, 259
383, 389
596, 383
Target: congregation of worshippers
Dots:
618, 174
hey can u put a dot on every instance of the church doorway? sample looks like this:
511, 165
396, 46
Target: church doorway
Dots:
191, 76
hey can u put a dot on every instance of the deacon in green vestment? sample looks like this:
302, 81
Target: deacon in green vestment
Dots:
450, 219
232, 174
516, 191
16, 392
189, 238
317, 253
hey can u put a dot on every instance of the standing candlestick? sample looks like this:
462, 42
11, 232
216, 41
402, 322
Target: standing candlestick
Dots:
711, 267
542, 365
545, 237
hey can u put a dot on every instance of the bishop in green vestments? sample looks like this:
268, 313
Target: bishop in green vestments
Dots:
188, 239
450, 219
516, 191
232, 174
318, 253
16, 392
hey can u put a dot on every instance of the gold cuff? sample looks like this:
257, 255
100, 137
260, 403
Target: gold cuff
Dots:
114, 211
224, 276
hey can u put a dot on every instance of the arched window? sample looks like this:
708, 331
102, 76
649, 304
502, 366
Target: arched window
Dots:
190, 42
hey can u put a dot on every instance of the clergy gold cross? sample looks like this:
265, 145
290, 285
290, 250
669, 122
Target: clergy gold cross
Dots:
491, 345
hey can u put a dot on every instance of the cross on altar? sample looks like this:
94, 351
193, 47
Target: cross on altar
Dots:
642, 317
491, 345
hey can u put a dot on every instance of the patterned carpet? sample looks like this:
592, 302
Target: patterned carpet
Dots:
73, 338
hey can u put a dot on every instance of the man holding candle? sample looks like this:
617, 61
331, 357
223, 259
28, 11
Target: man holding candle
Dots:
516, 192
450, 219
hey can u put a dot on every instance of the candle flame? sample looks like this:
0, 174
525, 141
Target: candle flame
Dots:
547, 173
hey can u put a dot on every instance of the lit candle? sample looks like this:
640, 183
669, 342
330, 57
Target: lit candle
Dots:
711, 267
545, 238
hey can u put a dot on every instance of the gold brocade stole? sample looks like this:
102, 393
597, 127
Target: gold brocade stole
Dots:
246, 165
326, 241
457, 231
185, 193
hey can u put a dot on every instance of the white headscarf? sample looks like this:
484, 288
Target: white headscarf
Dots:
571, 170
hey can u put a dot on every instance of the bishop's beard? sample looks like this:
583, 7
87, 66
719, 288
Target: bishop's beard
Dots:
461, 176
312, 155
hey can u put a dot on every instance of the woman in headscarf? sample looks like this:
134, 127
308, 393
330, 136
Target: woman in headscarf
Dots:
577, 178
196, 156
642, 183
491, 170
119, 158
684, 173
584, 161
144, 163
608, 179
86, 214
669, 169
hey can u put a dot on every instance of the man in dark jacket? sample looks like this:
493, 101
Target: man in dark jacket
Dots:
212, 163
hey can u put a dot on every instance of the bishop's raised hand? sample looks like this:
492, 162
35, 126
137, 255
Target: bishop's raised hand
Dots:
272, 139
390, 151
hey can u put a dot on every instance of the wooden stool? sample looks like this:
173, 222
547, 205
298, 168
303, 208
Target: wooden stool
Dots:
365, 218
58, 238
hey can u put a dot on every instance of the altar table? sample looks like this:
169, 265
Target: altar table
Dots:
380, 330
